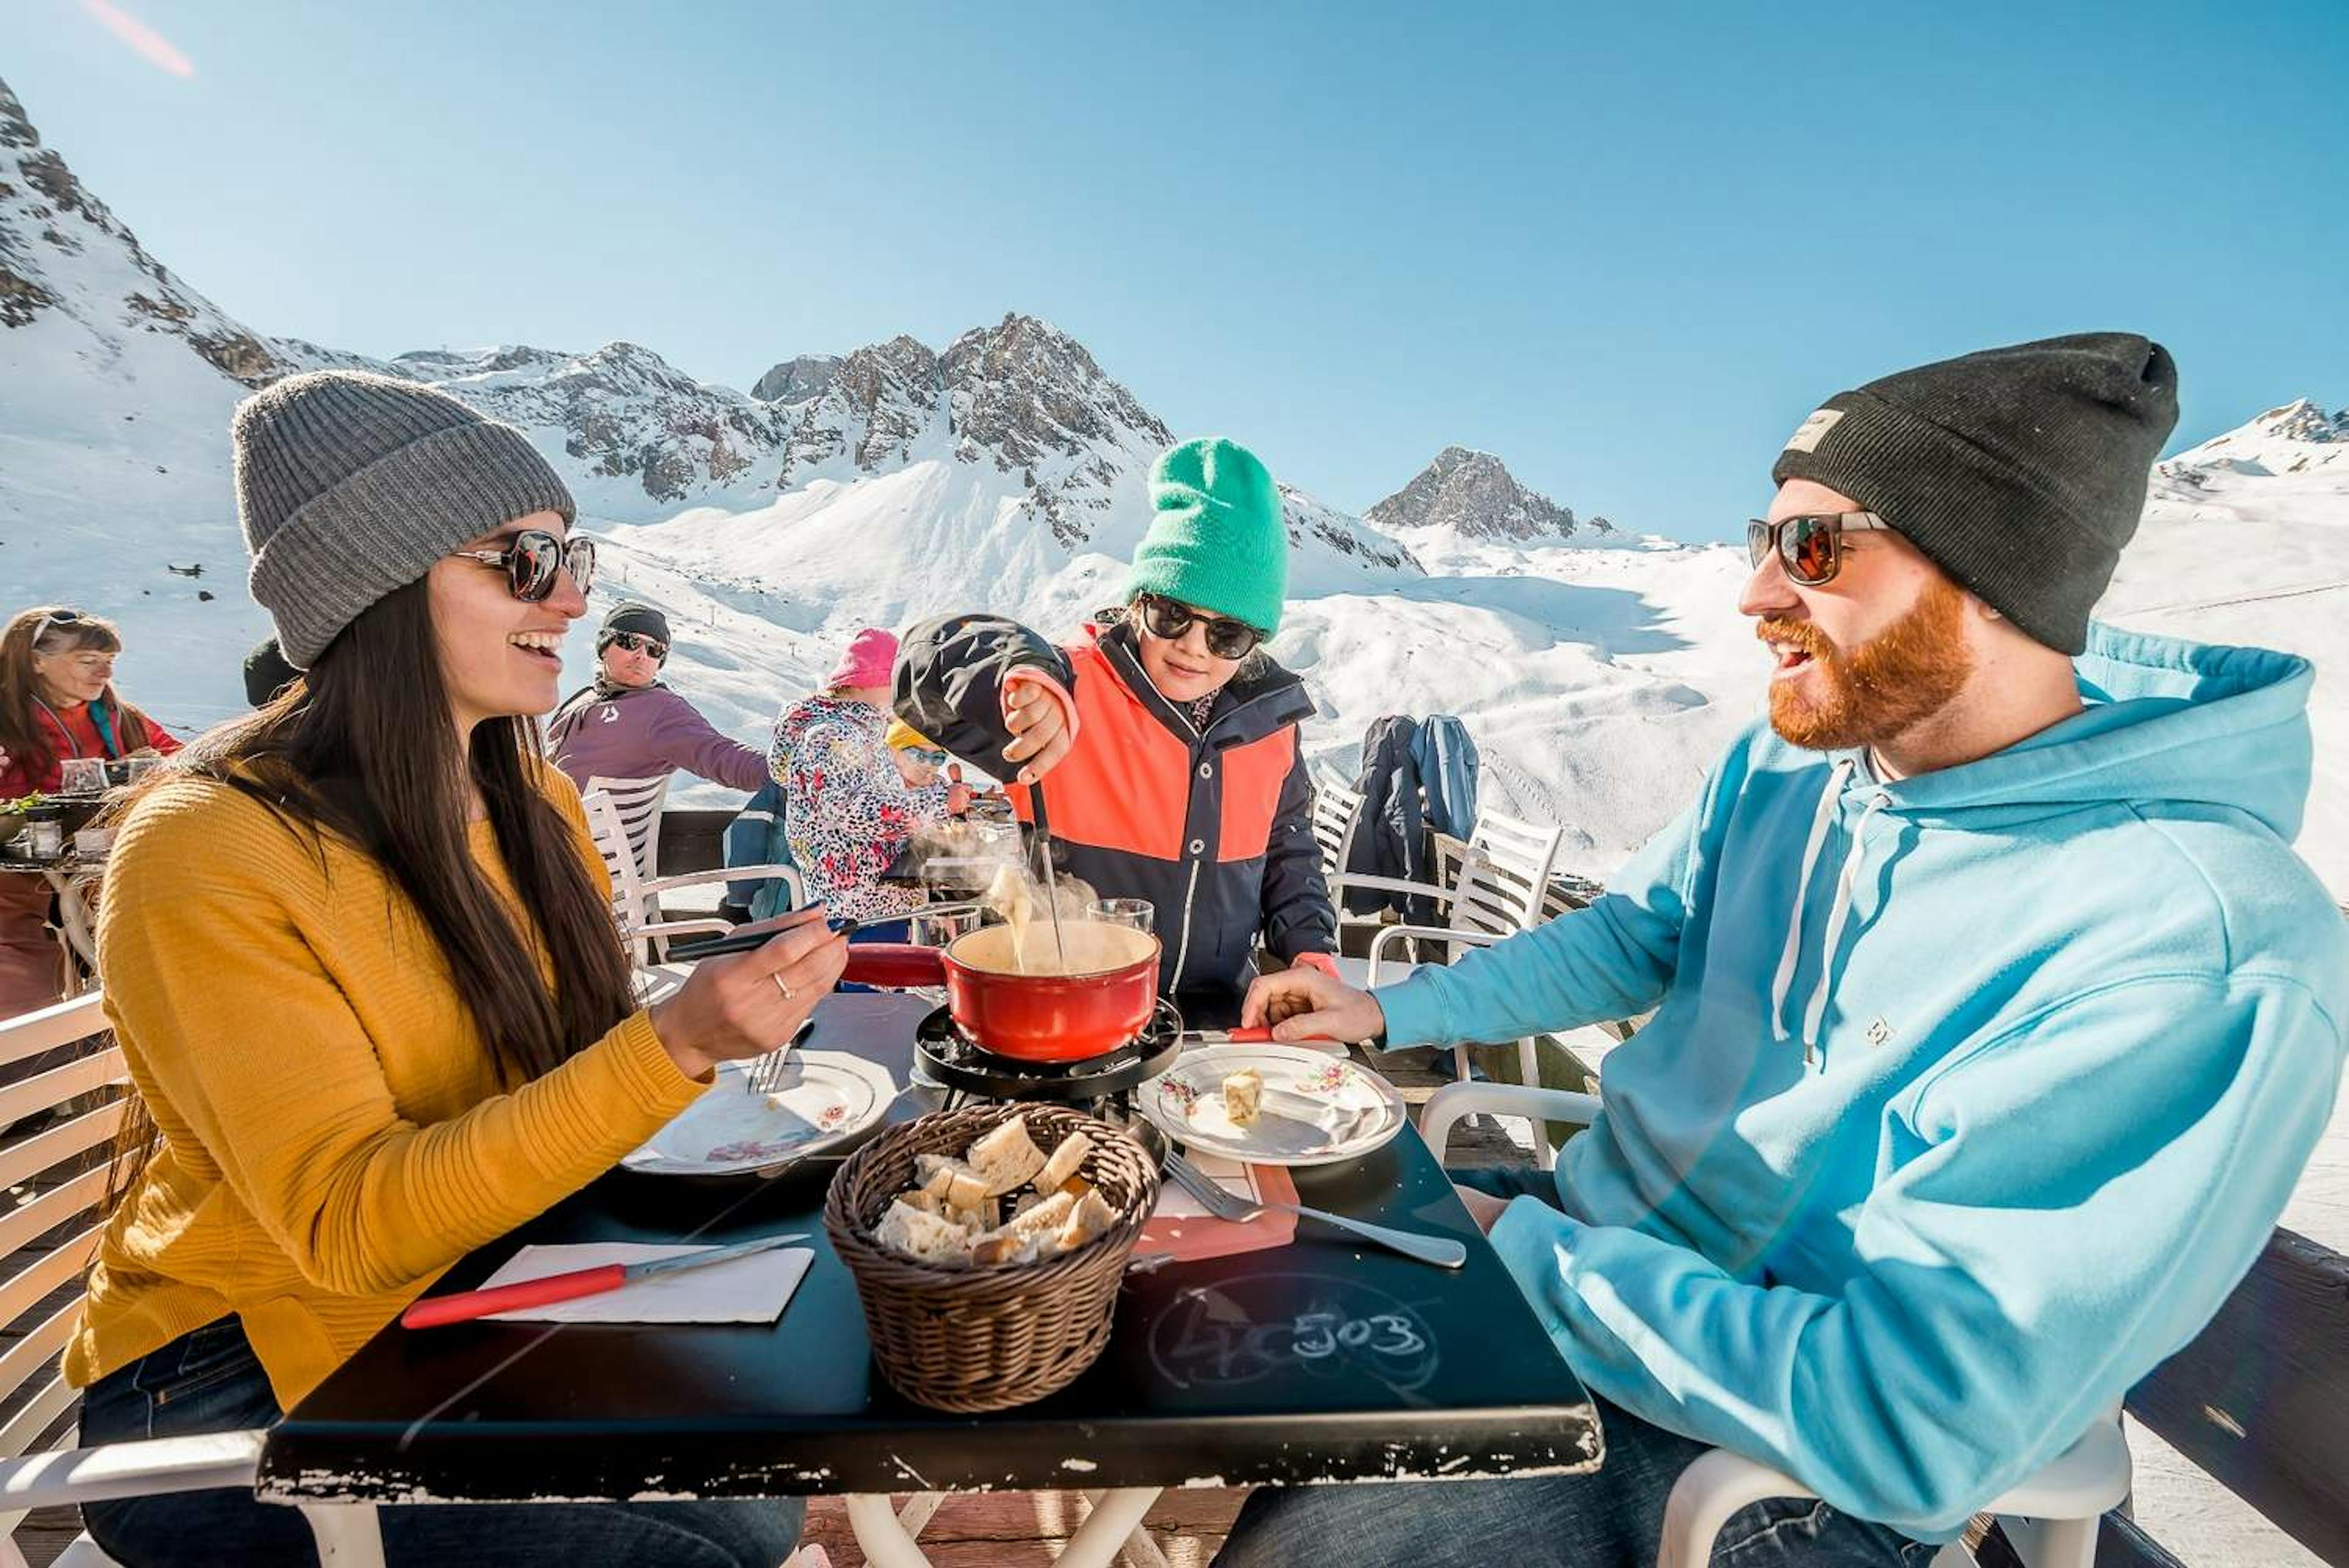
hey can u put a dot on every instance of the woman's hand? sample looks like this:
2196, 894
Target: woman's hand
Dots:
1042, 717
747, 1005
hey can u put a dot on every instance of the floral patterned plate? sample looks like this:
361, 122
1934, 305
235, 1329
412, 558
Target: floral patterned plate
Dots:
823, 1098
1313, 1111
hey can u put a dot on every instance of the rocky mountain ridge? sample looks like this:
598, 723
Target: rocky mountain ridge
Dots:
1473, 496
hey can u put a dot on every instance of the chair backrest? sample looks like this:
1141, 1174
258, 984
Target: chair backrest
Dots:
636, 805
1337, 805
1513, 877
62, 1083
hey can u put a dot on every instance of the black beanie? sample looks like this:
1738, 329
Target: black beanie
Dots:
2021, 471
631, 615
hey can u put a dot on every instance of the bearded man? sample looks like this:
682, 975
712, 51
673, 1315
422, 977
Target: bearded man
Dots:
1994, 1017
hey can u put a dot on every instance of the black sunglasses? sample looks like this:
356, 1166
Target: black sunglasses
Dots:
534, 557
1227, 638
1810, 547
638, 642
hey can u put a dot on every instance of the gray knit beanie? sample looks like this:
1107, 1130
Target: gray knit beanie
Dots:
350, 485
2021, 471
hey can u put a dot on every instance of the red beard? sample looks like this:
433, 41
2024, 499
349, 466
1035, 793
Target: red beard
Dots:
1897, 679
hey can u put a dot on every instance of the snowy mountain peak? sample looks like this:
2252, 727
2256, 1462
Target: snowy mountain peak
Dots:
63, 254
2297, 438
2301, 420
1473, 496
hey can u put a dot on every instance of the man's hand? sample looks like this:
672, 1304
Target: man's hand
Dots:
1482, 1207
1306, 1004
1042, 717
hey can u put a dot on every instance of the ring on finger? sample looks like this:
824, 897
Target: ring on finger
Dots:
784, 986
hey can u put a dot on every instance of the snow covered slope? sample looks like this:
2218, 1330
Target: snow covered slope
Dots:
1601, 671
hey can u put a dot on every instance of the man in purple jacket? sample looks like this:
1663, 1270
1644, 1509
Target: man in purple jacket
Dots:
627, 725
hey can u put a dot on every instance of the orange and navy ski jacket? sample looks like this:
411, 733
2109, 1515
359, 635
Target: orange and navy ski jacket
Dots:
1213, 826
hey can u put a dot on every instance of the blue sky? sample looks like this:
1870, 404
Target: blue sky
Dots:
1627, 247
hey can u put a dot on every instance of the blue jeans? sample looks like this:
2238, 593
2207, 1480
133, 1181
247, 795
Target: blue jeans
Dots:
1612, 1517
209, 1381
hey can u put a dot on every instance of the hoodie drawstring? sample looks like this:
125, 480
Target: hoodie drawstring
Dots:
1828, 797
1816, 1013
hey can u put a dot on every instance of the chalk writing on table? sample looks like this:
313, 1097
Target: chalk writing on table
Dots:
1298, 1324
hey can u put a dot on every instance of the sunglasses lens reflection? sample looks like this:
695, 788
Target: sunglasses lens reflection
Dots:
1810, 549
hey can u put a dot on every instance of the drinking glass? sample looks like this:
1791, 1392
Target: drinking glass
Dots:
141, 767
1139, 913
81, 775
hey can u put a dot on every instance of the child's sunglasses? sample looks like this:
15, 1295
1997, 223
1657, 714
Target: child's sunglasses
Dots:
638, 642
534, 557
1810, 547
1226, 639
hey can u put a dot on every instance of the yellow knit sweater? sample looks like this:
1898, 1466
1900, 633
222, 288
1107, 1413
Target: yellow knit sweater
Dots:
334, 1132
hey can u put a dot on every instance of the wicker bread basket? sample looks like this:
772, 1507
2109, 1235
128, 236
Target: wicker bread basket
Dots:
968, 1340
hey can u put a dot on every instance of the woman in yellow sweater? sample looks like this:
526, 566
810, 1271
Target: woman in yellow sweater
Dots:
359, 955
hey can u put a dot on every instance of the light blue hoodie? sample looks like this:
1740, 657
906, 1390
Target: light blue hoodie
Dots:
2073, 1016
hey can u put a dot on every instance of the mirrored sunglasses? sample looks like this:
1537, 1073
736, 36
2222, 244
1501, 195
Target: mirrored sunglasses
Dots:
534, 558
1810, 546
638, 642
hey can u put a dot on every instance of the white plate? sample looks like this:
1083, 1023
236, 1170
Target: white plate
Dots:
825, 1099
1313, 1111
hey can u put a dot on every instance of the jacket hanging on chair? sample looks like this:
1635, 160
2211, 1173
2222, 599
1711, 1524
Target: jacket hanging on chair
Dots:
1446, 758
1390, 838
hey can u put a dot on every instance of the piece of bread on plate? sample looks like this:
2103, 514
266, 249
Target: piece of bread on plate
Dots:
1243, 1093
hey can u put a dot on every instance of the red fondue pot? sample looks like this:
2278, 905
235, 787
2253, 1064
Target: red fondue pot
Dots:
1029, 1017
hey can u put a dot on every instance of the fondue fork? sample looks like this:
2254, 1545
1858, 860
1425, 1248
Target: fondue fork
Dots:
1052, 884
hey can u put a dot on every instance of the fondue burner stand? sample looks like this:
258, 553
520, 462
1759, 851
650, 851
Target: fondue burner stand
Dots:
1103, 1083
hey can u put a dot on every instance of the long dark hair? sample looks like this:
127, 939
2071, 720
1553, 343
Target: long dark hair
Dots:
22, 735
361, 748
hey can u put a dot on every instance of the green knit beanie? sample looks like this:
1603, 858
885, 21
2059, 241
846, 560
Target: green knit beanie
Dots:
1216, 538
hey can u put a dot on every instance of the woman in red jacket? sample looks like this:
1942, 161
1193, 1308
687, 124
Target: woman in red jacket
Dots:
57, 700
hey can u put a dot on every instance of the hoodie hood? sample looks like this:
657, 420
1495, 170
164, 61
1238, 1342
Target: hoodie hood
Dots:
2170, 723
2168, 720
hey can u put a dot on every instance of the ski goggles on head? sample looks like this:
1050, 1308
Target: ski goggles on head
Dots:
1227, 638
1809, 546
532, 558
638, 642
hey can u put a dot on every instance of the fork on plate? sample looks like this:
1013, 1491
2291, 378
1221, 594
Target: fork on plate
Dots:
1224, 1204
766, 1073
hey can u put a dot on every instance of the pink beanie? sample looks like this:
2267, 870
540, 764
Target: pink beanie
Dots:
871, 654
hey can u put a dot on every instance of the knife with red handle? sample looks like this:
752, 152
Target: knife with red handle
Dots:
463, 1306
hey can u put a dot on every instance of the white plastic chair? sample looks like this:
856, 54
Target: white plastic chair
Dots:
624, 816
1503, 878
1337, 805
67, 1166
2050, 1519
